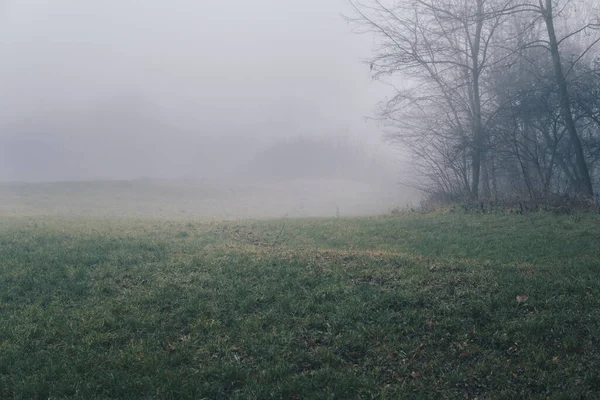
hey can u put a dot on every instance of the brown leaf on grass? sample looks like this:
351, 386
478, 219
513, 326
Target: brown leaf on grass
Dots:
522, 298
415, 374
555, 360
434, 267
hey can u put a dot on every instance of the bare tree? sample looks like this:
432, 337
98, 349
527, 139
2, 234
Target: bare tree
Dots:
441, 48
547, 11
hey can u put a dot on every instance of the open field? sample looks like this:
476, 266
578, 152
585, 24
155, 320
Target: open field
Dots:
410, 306
206, 199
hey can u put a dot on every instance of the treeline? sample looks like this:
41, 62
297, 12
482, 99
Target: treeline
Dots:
310, 158
495, 99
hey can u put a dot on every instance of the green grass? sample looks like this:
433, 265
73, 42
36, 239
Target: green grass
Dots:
411, 306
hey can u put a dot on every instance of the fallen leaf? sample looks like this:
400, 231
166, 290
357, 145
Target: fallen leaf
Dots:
415, 374
554, 359
522, 298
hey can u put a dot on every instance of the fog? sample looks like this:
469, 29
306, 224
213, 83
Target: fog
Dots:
186, 90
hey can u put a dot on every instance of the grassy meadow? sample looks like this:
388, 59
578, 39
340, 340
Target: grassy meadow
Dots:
412, 306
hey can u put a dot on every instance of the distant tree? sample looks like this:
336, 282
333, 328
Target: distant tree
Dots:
303, 157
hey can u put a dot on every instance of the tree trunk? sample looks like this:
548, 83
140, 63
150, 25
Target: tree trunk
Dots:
492, 160
476, 99
565, 103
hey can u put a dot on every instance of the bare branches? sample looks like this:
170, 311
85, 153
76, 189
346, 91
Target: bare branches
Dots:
476, 88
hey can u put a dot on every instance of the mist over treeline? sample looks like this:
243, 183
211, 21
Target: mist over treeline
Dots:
127, 164
239, 92
130, 140
123, 137
485, 100
332, 158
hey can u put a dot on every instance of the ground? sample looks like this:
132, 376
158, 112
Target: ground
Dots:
406, 306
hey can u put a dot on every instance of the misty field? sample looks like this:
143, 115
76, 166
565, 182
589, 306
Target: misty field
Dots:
406, 306
222, 199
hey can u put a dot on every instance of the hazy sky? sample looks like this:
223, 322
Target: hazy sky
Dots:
208, 69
